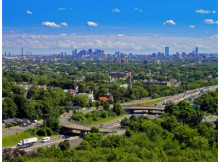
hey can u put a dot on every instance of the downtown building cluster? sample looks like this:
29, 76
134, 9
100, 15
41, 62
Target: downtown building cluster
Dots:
98, 54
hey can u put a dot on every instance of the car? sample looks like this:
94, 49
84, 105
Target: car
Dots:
66, 136
66, 140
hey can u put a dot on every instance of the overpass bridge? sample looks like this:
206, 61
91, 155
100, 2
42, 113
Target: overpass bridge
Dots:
150, 109
70, 125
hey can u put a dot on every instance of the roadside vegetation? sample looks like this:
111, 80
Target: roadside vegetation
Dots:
170, 138
98, 116
15, 138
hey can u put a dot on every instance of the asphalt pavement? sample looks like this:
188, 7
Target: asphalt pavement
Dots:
16, 129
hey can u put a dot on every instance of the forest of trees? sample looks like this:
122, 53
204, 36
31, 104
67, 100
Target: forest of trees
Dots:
35, 103
170, 138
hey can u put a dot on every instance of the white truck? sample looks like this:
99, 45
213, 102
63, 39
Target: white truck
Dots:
28, 141
45, 139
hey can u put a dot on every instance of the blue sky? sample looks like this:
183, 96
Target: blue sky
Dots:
46, 26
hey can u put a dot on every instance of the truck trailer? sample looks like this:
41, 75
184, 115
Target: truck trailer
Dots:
27, 141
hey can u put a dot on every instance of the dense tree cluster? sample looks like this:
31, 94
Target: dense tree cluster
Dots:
34, 102
208, 102
185, 113
162, 139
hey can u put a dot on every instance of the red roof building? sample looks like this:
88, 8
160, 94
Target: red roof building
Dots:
104, 99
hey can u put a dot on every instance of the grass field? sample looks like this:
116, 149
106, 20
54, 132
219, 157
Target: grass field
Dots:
105, 120
15, 138
148, 103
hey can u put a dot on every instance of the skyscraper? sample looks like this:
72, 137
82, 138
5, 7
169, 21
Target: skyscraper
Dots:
22, 52
90, 52
166, 51
197, 51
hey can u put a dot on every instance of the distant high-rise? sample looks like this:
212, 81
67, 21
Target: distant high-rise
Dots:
90, 52
166, 51
197, 51
22, 52
5, 54
183, 54
74, 52
154, 55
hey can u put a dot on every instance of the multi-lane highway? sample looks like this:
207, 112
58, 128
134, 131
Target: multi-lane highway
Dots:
115, 124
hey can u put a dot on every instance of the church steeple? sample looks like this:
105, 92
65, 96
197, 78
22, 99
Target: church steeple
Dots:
130, 83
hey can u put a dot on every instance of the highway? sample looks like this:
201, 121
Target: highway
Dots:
17, 129
115, 124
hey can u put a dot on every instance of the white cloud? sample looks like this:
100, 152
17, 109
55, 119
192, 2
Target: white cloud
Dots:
192, 27
214, 37
93, 24
169, 22
64, 24
201, 11
50, 24
12, 32
210, 21
63, 34
120, 35
138, 9
28, 12
140, 44
62, 9
115, 10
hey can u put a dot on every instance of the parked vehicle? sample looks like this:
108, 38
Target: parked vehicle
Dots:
27, 141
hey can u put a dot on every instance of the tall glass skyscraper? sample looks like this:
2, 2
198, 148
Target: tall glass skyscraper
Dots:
166, 51
197, 51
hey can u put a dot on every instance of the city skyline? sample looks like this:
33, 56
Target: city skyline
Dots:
141, 27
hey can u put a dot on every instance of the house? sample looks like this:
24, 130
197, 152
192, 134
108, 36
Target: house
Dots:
120, 74
171, 82
210, 76
155, 82
37, 86
104, 99
124, 86
65, 90
43, 87
72, 91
